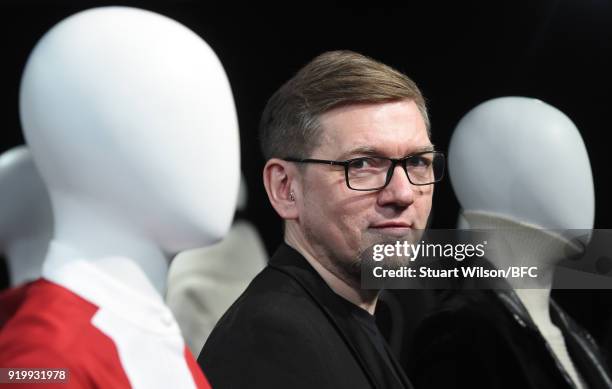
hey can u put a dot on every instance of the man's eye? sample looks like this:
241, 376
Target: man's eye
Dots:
360, 163
418, 162
365, 163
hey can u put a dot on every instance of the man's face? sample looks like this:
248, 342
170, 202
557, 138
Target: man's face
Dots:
340, 223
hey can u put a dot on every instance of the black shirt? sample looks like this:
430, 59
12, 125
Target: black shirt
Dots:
289, 329
368, 323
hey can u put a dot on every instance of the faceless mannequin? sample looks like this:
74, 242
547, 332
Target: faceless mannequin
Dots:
519, 165
26, 222
203, 283
130, 117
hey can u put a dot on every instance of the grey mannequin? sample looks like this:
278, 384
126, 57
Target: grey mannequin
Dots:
519, 165
26, 220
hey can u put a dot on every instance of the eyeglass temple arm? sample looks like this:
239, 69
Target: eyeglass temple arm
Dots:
310, 160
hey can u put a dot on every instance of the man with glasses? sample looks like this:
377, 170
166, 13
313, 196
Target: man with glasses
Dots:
349, 164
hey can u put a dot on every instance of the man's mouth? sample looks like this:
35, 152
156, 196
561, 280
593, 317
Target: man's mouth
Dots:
398, 229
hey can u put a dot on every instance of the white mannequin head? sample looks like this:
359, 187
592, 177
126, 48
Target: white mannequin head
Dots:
520, 166
26, 222
524, 160
131, 119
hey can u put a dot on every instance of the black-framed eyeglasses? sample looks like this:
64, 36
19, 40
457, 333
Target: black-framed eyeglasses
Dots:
375, 173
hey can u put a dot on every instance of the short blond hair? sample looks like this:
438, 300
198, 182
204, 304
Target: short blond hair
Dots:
289, 124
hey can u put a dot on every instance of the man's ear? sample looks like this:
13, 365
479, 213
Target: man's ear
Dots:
281, 186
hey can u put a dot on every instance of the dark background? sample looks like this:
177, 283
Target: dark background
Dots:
459, 53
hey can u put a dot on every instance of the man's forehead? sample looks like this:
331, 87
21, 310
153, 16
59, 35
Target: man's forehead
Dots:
385, 129
372, 112
374, 150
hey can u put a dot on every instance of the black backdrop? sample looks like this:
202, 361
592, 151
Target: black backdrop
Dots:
460, 54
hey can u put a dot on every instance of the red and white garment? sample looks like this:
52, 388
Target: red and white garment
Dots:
106, 333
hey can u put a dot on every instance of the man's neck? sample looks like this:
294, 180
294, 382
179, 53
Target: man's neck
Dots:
351, 291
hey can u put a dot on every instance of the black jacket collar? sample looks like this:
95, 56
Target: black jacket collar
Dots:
340, 314
585, 353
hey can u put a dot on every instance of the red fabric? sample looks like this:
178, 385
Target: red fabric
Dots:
48, 326
196, 372
10, 300
52, 329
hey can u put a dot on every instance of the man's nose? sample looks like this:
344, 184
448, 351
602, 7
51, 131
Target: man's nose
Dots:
399, 192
